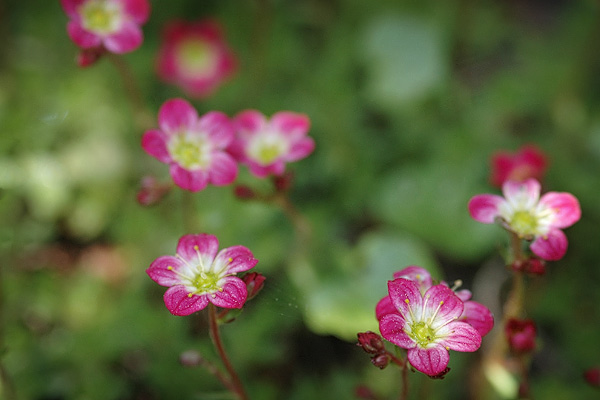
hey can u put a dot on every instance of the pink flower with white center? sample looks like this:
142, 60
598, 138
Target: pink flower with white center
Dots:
195, 57
528, 162
199, 273
267, 145
523, 212
475, 314
111, 24
193, 147
427, 325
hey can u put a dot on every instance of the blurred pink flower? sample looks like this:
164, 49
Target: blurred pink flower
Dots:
427, 325
195, 57
193, 147
520, 334
114, 25
267, 145
197, 275
528, 162
523, 212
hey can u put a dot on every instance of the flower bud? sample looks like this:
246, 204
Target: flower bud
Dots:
536, 266
520, 335
283, 182
244, 192
88, 57
592, 376
371, 342
254, 283
381, 360
151, 191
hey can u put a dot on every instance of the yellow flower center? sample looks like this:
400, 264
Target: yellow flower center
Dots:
422, 333
265, 149
524, 223
190, 152
206, 282
101, 17
196, 57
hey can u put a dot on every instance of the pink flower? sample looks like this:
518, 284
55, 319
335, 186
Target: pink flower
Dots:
528, 162
475, 314
267, 145
195, 57
427, 325
111, 24
520, 334
193, 147
523, 212
198, 275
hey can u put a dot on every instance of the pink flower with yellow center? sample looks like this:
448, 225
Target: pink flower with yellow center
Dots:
111, 24
199, 273
531, 217
528, 162
427, 325
195, 57
267, 145
194, 147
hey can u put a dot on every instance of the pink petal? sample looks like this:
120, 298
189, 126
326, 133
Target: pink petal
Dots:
529, 189
290, 123
189, 246
431, 360
219, 128
464, 295
81, 37
160, 273
177, 115
250, 121
154, 142
384, 307
417, 274
194, 181
137, 10
461, 337
179, 302
405, 296
260, 171
129, 38
552, 247
566, 207
300, 149
70, 7
391, 327
440, 300
478, 316
234, 293
484, 207
223, 169
241, 258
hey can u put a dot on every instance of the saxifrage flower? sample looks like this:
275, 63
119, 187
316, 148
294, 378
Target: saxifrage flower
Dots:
427, 325
523, 212
267, 145
111, 24
199, 273
527, 162
195, 57
194, 147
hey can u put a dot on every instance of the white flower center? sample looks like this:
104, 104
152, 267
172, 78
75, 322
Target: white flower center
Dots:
527, 220
265, 148
101, 17
190, 151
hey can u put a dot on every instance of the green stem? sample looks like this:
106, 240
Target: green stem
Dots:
215, 336
7, 388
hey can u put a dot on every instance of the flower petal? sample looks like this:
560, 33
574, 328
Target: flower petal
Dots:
417, 274
391, 327
300, 149
432, 360
160, 272
290, 123
218, 127
223, 169
384, 307
478, 316
190, 247
406, 297
194, 180
441, 305
177, 115
70, 7
552, 246
234, 293
463, 294
81, 37
526, 193
137, 10
179, 302
484, 207
154, 142
460, 336
249, 122
127, 39
236, 258
566, 208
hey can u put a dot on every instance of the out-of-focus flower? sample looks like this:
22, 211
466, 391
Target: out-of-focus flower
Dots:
195, 57
198, 275
267, 145
528, 162
592, 376
193, 147
523, 212
427, 325
475, 314
152, 191
114, 25
520, 334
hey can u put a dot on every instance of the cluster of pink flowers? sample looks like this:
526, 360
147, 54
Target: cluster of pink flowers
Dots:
527, 162
429, 320
203, 150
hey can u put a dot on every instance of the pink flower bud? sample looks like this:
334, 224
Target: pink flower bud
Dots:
520, 334
88, 57
244, 192
381, 360
371, 342
151, 191
592, 376
254, 283
283, 182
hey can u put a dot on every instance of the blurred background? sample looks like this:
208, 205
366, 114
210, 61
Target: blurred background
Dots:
408, 101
